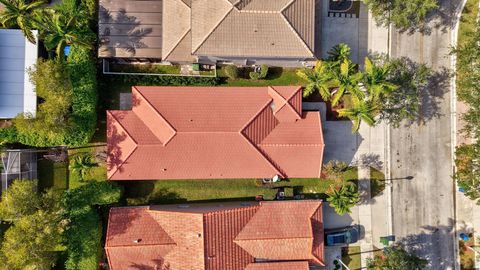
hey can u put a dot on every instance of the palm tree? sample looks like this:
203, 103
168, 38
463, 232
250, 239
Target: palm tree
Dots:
347, 81
318, 79
82, 164
60, 30
361, 111
342, 199
339, 53
375, 80
21, 14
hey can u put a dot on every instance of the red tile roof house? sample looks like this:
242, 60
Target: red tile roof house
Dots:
214, 133
280, 235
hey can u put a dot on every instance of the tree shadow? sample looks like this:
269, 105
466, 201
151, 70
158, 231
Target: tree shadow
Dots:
443, 19
123, 25
115, 137
433, 95
431, 243
369, 160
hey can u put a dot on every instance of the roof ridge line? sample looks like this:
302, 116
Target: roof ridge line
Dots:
261, 154
255, 115
240, 208
287, 5
284, 238
145, 245
170, 126
321, 157
130, 154
296, 34
290, 105
214, 28
181, 37
291, 144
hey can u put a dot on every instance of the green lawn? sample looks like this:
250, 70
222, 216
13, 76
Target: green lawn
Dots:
276, 76
351, 257
99, 173
145, 68
177, 191
377, 182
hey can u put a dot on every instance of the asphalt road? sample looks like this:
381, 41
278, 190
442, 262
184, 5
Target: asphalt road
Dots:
423, 208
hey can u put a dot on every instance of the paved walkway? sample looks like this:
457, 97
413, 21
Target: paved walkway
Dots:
365, 212
365, 149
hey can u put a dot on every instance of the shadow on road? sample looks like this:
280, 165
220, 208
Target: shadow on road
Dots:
442, 19
434, 244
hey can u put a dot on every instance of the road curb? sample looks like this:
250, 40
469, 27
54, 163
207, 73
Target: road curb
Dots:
453, 115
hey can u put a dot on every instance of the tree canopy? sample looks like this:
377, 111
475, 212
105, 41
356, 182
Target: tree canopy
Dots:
402, 14
396, 258
343, 198
37, 225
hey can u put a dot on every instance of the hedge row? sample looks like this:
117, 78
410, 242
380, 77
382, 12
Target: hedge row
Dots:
83, 74
84, 234
81, 122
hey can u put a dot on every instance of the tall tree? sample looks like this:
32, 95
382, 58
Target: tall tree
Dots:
396, 258
360, 112
339, 53
319, 79
18, 201
21, 14
343, 198
375, 79
402, 14
35, 236
347, 81
59, 30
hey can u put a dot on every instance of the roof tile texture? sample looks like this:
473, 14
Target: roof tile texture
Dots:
165, 238
211, 133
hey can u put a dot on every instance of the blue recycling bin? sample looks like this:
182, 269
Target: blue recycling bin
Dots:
66, 50
464, 237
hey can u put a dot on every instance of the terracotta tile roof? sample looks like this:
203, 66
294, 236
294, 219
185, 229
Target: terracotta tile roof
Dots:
212, 236
300, 265
211, 133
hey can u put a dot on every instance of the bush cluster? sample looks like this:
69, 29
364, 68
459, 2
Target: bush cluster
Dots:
84, 234
67, 113
231, 71
162, 80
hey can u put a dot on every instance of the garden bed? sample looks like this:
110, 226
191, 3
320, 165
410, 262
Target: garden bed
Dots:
275, 76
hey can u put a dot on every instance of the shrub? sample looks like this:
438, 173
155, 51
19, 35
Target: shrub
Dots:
37, 226
161, 80
231, 71
263, 71
254, 75
8, 135
84, 235
83, 72
51, 124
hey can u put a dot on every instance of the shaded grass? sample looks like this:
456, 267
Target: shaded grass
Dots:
351, 257
276, 76
377, 182
52, 175
209, 190
145, 68
98, 173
